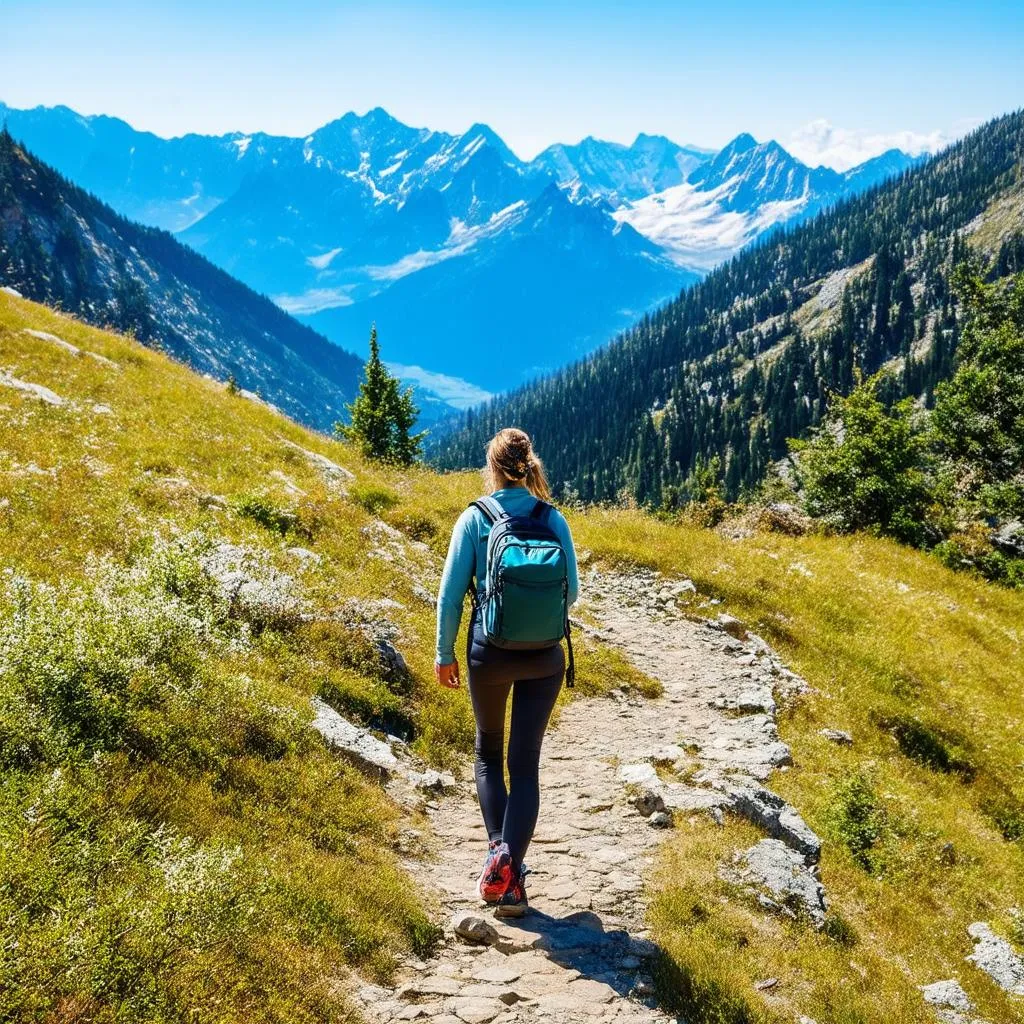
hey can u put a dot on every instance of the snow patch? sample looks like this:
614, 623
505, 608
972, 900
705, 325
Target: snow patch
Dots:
695, 229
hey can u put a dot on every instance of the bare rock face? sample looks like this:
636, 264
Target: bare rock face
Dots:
772, 866
997, 958
773, 814
951, 1002
40, 391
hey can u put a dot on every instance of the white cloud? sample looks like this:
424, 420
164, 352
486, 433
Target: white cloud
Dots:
821, 142
455, 391
314, 300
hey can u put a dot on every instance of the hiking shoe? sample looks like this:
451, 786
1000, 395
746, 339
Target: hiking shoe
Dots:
513, 902
497, 874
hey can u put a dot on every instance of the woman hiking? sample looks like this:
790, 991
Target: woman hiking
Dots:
521, 584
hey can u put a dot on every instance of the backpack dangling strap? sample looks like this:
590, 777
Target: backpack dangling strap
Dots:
570, 671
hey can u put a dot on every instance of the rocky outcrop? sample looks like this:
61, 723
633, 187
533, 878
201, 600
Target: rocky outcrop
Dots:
769, 811
73, 350
783, 880
997, 958
337, 476
951, 1002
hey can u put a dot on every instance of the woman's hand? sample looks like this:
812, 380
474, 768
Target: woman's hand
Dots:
448, 675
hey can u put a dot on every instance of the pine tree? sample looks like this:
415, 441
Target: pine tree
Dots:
382, 415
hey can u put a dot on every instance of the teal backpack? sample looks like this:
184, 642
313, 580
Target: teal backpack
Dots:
526, 591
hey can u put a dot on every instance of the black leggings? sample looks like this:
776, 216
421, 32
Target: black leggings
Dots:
534, 677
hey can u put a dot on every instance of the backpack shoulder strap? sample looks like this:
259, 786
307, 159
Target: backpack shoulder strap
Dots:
490, 508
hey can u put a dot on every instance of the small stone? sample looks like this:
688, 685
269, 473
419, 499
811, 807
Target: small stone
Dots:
647, 801
475, 929
637, 774
432, 781
660, 819
765, 984
840, 736
731, 625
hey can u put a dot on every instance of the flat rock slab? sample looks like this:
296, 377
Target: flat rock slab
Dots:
360, 744
997, 958
40, 391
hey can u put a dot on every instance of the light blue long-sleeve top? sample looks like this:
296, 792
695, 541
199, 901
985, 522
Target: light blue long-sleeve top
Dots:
467, 557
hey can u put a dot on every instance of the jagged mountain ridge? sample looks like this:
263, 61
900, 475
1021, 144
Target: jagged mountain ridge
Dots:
61, 245
352, 222
747, 358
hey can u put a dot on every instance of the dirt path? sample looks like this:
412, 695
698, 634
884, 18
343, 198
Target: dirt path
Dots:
580, 955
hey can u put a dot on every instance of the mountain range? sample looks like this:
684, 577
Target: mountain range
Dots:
713, 384
481, 270
61, 245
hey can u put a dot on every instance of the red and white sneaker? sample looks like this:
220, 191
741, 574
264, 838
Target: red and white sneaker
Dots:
513, 902
497, 874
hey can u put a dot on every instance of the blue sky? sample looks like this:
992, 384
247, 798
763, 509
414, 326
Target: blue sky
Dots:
834, 83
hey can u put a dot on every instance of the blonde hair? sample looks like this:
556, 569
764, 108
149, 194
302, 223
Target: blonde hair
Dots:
512, 460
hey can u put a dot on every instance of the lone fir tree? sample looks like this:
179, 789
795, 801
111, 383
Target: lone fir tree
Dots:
382, 415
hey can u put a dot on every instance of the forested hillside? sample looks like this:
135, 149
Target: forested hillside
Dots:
63, 246
722, 376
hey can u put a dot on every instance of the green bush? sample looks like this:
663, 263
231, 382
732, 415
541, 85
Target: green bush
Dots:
857, 820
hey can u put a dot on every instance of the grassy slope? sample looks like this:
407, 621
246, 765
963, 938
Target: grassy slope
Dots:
885, 635
292, 873
894, 644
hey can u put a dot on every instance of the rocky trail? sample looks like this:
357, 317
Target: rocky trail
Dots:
613, 774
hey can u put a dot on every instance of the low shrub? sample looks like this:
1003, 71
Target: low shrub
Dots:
376, 500
265, 513
938, 749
